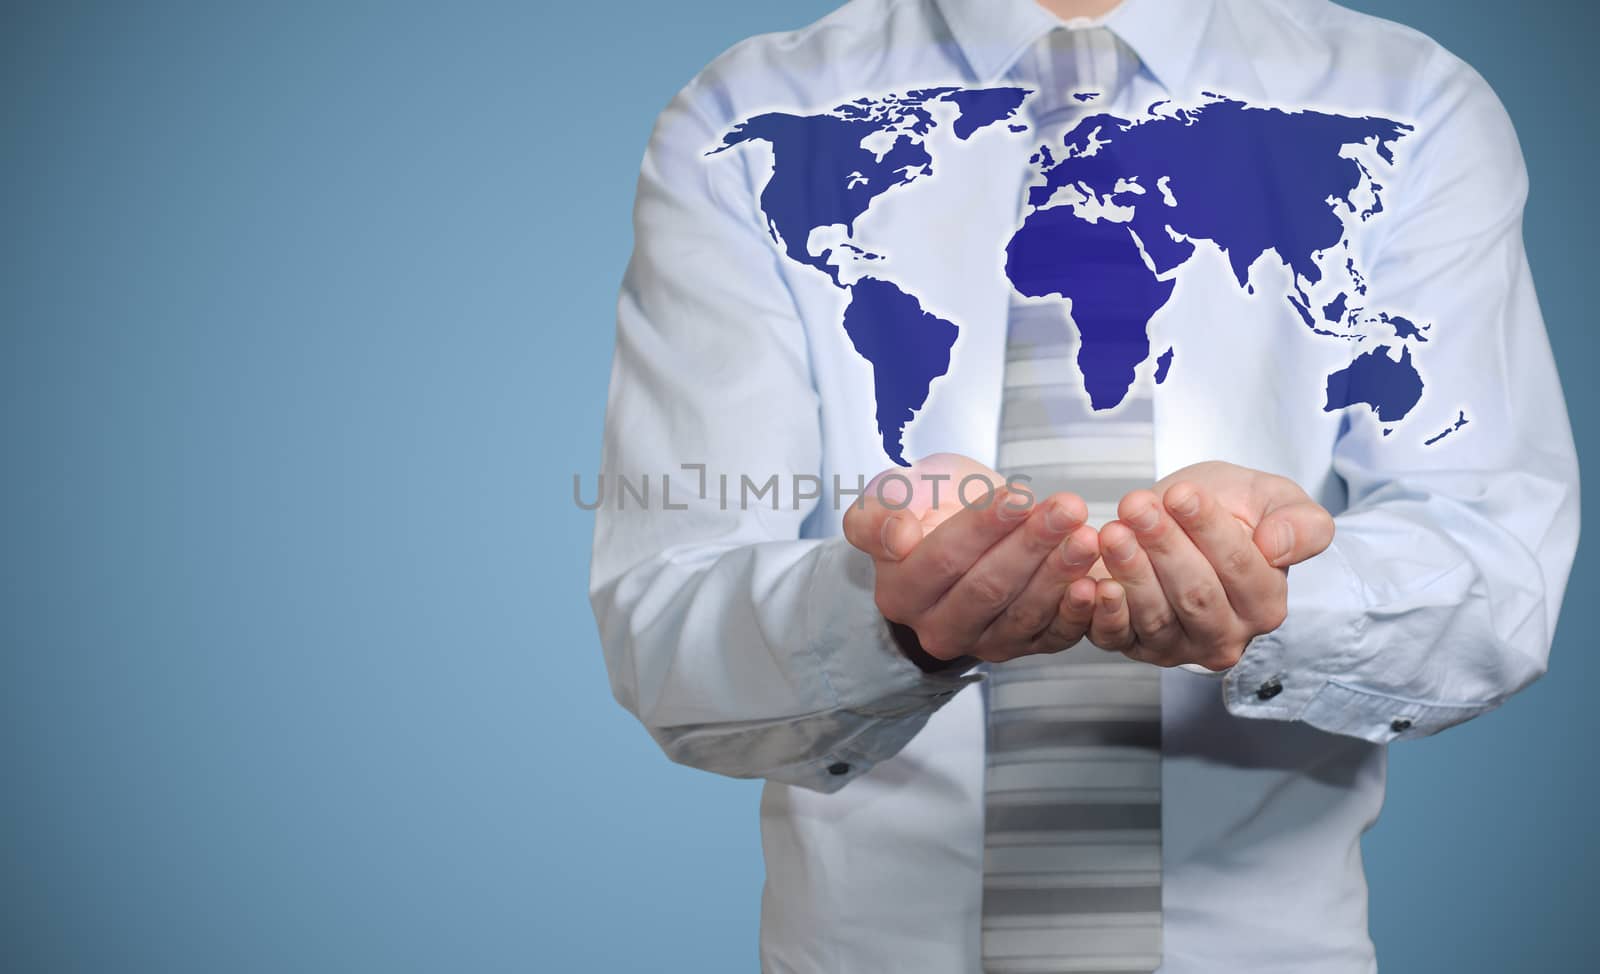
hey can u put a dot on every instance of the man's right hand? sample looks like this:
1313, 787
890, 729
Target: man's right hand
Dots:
989, 580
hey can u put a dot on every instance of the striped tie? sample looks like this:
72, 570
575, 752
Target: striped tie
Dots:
1072, 835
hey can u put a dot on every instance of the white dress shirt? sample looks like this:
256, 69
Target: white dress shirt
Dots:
745, 637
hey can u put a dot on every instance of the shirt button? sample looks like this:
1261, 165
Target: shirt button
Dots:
1399, 724
838, 767
1269, 689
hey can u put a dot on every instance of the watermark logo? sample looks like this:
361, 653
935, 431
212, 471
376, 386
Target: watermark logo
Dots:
895, 490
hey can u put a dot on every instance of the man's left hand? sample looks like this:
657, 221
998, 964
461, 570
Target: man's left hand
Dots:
1198, 565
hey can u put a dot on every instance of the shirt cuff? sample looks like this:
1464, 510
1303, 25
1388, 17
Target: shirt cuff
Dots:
1310, 668
864, 671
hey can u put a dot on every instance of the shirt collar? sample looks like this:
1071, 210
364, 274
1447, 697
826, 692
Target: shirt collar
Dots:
1165, 34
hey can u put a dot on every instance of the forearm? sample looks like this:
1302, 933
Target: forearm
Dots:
764, 660
1429, 608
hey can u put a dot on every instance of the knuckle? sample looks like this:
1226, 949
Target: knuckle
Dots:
1196, 600
1239, 561
1069, 617
1135, 500
1027, 616
1038, 533
1161, 538
1113, 638
1159, 625
986, 592
944, 562
1072, 559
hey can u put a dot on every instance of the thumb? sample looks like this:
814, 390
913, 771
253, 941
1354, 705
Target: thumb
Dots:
885, 533
1292, 533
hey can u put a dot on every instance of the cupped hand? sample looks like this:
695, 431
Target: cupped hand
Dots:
974, 568
1197, 566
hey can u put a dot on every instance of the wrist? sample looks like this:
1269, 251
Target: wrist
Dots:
905, 638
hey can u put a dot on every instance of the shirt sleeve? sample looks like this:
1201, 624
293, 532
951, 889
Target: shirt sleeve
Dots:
1438, 598
742, 647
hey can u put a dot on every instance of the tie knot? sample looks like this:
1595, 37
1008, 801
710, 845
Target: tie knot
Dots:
1069, 62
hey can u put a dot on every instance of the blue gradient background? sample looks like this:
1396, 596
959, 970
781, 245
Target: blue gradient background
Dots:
307, 313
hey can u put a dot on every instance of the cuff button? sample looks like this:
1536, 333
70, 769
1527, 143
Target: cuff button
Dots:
1269, 689
838, 767
1399, 725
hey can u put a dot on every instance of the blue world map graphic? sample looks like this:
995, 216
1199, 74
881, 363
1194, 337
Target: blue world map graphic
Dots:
1111, 211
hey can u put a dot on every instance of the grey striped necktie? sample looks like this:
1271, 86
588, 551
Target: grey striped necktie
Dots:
1072, 834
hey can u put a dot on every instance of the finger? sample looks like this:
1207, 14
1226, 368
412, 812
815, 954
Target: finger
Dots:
1071, 625
1290, 534
1076, 610
1191, 585
1073, 615
987, 592
1112, 627
1155, 621
1038, 606
950, 550
885, 533
1253, 588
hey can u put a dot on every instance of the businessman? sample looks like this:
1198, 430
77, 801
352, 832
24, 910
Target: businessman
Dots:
1225, 482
